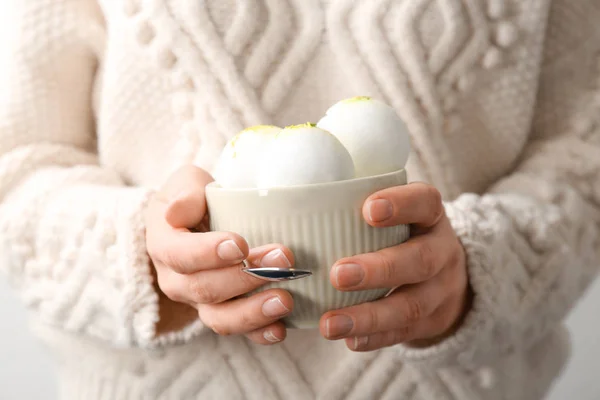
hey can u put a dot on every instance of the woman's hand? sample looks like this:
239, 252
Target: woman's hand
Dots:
204, 269
428, 271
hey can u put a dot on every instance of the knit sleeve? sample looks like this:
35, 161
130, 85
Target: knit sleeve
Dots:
533, 239
71, 231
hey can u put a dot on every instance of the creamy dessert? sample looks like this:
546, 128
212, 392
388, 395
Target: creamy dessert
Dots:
358, 137
373, 133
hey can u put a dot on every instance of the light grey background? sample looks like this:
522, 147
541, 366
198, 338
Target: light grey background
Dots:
26, 372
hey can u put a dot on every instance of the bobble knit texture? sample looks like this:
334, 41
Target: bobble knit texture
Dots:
101, 101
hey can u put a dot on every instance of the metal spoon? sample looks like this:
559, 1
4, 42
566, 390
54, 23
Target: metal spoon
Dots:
275, 274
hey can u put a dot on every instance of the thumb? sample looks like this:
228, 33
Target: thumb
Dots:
184, 195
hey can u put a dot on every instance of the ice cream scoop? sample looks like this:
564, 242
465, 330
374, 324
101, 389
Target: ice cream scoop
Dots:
303, 154
237, 165
372, 132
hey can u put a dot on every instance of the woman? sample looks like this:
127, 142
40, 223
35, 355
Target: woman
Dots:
113, 113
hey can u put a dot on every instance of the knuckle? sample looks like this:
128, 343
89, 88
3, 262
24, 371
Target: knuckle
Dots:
170, 259
246, 321
426, 257
156, 249
202, 291
373, 319
401, 334
413, 309
209, 320
249, 322
386, 267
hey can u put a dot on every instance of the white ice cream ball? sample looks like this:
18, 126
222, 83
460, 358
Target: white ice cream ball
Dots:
237, 164
304, 154
373, 133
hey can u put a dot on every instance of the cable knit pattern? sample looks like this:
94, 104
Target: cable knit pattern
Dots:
102, 99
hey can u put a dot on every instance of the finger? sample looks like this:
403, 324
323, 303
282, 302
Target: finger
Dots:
417, 203
424, 333
271, 255
405, 306
244, 315
269, 335
383, 339
187, 210
183, 197
189, 252
417, 260
217, 285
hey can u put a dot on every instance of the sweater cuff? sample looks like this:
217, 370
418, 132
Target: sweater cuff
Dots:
465, 346
141, 305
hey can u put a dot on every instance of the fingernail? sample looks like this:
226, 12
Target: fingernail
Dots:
348, 275
338, 325
360, 342
380, 210
275, 258
270, 337
229, 251
274, 308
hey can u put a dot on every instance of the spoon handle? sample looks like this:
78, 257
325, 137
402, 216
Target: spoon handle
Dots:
278, 274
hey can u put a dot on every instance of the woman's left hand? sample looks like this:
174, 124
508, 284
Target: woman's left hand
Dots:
428, 270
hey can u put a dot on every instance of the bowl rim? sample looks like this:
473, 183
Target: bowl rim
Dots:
214, 186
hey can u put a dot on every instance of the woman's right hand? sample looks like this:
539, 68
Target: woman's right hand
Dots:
204, 269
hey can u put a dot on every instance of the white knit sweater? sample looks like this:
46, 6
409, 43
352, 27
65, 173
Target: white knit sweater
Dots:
101, 100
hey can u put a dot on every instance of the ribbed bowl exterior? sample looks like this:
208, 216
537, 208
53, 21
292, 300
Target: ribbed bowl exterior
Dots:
320, 224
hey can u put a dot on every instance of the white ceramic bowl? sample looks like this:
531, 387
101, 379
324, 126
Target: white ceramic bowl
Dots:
320, 223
